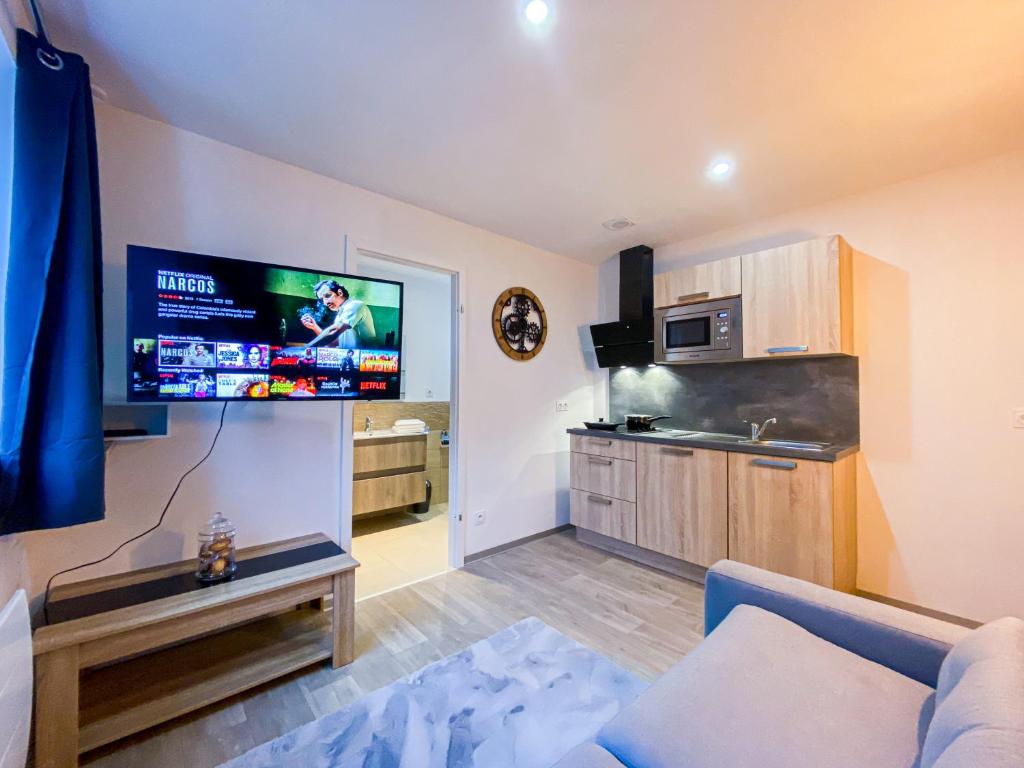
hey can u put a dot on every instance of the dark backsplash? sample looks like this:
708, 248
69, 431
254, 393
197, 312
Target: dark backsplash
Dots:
813, 398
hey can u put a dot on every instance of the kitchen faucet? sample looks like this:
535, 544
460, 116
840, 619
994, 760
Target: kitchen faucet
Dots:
756, 430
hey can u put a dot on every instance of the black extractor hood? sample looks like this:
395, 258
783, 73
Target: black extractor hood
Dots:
630, 340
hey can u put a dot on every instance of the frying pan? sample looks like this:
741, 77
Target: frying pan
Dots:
608, 426
642, 422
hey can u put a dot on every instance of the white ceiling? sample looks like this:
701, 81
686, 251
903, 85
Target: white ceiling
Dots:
614, 109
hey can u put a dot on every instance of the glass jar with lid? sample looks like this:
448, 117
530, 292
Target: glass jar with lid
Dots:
216, 549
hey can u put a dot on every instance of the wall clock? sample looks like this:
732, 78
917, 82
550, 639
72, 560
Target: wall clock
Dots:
520, 324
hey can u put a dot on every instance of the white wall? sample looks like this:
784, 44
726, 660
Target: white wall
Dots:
426, 326
938, 281
275, 472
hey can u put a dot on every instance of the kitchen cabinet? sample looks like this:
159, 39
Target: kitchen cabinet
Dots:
701, 282
797, 299
602, 476
795, 516
682, 502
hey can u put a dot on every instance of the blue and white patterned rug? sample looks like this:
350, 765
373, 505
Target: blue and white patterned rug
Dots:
521, 698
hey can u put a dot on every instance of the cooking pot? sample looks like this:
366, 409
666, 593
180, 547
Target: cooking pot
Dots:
642, 422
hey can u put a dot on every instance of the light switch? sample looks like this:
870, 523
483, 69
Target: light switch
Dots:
1018, 418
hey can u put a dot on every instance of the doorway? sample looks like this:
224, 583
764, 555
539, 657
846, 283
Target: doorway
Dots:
403, 459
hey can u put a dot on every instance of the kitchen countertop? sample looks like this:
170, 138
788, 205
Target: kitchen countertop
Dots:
708, 440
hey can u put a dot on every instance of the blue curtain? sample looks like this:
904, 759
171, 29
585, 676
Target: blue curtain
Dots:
51, 437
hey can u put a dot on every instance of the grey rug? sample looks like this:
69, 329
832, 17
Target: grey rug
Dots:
521, 698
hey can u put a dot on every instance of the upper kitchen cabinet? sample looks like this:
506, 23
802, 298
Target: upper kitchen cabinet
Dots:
701, 282
797, 299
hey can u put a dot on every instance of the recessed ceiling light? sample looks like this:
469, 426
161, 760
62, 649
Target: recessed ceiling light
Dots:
719, 169
616, 224
537, 11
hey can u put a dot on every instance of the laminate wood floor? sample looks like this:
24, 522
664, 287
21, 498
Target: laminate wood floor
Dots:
643, 619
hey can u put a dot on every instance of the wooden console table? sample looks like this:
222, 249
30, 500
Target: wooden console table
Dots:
124, 653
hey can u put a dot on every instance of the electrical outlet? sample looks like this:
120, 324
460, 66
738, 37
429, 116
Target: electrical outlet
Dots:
561, 406
479, 518
1018, 418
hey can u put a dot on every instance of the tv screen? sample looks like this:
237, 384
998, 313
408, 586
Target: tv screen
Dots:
209, 328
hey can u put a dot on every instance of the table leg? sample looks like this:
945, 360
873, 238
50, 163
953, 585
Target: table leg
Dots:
57, 708
343, 622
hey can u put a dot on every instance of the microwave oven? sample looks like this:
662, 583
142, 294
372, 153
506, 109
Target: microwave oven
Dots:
710, 331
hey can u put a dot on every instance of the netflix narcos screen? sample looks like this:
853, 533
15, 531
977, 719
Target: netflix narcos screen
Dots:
210, 328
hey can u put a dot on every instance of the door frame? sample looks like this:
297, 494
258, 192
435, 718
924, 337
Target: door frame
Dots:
456, 454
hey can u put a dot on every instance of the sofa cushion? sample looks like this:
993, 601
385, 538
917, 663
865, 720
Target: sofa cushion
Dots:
588, 756
762, 692
979, 703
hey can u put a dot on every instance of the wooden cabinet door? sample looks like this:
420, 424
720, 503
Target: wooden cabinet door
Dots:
780, 515
682, 502
797, 300
701, 282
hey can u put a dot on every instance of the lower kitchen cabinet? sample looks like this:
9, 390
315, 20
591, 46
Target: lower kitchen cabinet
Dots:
601, 514
682, 502
794, 516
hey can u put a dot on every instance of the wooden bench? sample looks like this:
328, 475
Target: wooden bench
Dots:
123, 653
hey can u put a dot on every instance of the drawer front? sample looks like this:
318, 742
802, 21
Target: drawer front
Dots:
388, 492
604, 476
604, 515
609, 447
371, 456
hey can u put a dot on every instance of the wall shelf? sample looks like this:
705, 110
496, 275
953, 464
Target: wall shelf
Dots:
152, 420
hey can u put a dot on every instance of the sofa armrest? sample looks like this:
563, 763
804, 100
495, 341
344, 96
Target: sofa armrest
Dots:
906, 642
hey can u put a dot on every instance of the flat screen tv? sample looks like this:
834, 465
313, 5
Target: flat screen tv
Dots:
204, 328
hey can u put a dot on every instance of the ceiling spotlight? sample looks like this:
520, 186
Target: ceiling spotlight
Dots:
719, 169
537, 11
617, 224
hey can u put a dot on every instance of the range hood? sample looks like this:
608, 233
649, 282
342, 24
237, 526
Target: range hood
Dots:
630, 340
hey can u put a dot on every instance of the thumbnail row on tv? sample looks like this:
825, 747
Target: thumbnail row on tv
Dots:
198, 384
178, 353
191, 369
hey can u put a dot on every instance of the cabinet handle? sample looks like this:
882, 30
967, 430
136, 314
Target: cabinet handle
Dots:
677, 451
775, 464
690, 296
780, 350
600, 500
600, 442
605, 462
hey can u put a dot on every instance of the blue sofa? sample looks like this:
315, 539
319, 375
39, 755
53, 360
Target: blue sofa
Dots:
791, 674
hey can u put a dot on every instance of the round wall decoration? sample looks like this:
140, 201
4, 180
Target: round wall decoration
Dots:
520, 325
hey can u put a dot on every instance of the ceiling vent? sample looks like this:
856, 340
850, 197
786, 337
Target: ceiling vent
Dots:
618, 224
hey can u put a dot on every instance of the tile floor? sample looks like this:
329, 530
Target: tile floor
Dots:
395, 550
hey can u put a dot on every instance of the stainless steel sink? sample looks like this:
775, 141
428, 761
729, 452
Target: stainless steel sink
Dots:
787, 444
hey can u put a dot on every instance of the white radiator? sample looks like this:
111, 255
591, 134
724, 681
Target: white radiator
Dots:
15, 681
